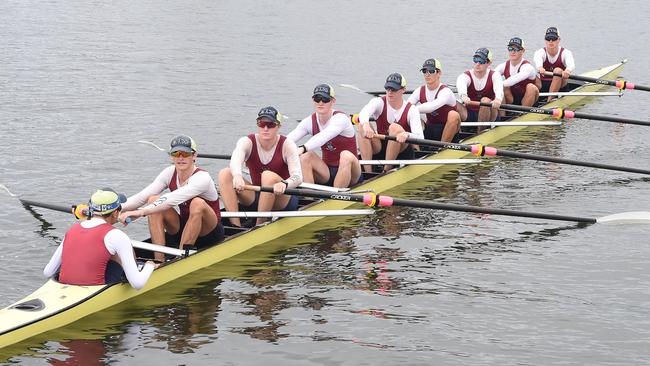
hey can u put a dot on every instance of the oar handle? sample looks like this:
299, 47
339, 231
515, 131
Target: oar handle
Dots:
620, 84
369, 199
214, 156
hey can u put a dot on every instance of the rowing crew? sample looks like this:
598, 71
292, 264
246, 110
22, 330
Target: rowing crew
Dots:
94, 253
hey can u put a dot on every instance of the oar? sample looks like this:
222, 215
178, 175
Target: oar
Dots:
374, 200
621, 84
565, 113
378, 93
227, 157
420, 162
582, 94
480, 150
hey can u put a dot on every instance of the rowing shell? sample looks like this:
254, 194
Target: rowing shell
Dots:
55, 305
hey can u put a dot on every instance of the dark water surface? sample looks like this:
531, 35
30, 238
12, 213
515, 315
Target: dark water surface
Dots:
81, 82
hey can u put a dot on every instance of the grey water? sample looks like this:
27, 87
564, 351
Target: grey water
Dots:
82, 82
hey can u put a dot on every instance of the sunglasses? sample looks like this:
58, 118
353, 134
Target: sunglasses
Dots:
267, 124
480, 60
320, 98
514, 49
550, 39
427, 71
184, 154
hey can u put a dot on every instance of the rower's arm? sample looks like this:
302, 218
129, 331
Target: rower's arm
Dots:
55, 262
117, 242
372, 109
291, 157
497, 86
303, 129
525, 72
462, 81
445, 97
239, 154
538, 58
200, 184
414, 98
156, 187
336, 125
568, 60
414, 122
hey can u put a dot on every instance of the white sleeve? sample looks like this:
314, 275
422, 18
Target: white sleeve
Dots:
303, 129
117, 242
445, 97
538, 58
501, 68
197, 185
497, 86
54, 263
414, 98
156, 187
525, 72
291, 157
372, 109
414, 122
239, 155
462, 82
336, 125
567, 59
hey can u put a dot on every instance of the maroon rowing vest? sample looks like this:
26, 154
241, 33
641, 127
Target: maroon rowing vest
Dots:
520, 87
332, 149
85, 257
548, 66
382, 120
276, 165
439, 116
476, 95
184, 207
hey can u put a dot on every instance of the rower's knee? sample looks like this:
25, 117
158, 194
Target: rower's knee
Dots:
197, 204
558, 70
305, 159
532, 89
453, 119
269, 178
153, 198
486, 100
394, 129
346, 159
224, 176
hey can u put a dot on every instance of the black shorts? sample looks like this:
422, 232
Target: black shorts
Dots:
215, 236
434, 132
407, 154
291, 206
333, 171
546, 84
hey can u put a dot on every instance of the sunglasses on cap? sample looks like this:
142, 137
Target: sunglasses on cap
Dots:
514, 49
320, 98
427, 71
266, 123
480, 60
179, 153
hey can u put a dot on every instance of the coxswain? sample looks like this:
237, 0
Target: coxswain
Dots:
93, 252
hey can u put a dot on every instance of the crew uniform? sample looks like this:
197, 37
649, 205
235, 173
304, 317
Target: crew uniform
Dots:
563, 59
84, 255
517, 77
475, 88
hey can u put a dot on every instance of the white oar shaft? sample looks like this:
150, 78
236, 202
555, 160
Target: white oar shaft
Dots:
307, 213
496, 124
320, 187
159, 248
420, 162
582, 94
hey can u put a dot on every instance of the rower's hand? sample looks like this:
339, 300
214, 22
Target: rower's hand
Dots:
368, 132
465, 99
565, 74
152, 263
402, 136
279, 187
541, 71
496, 104
238, 183
127, 217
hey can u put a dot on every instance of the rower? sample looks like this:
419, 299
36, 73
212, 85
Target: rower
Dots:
438, 103
272, 160
555, 59
332, 132
395, 117
93, 252
521, 84
198, 220
480, 84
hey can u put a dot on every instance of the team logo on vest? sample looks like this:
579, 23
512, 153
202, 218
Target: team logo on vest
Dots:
330, 147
